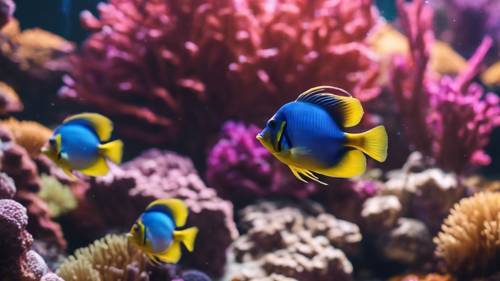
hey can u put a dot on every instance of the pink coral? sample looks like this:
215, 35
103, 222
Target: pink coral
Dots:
7, 187
241, 169
122, 195
175, 70
450, 119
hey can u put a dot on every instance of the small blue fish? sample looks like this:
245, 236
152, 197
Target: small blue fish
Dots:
308, 135
155, 232
81, 143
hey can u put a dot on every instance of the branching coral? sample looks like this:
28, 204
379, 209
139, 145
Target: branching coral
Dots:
241, 169
110, 258
469, 240
438, 113
236, 60
31, 135
58, 197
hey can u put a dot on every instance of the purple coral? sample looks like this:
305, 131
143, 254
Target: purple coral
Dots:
241, 169
7, 8
450, 119
7, 187
176, 70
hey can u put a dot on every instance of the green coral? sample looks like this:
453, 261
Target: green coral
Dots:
58, 196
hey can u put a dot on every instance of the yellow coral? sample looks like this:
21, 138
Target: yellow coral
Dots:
108, 259
58, 197
491, 76
9, 100
469, 241
28, 134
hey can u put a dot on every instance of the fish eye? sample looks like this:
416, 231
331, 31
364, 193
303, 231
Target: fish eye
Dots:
271, 124
52, 141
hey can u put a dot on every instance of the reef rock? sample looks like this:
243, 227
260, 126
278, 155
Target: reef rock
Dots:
121, 196
7, 187
284, 241
381, 212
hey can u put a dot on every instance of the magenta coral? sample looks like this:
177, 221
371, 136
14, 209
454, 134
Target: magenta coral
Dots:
450, 119
176, 70
241, 169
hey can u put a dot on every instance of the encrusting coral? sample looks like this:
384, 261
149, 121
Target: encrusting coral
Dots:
108, 259
237, 60
469, 241
299, 242
58, 197
439, 112
241, 169
31, 135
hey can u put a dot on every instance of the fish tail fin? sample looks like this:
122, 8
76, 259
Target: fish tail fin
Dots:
113, 151
372, 142
171, 255
187, 237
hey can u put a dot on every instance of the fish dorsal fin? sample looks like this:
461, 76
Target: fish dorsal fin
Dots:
177, 208
101, 124
352, 164
344, 109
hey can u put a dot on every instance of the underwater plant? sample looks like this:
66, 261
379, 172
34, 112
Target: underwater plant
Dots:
58, 196
110, 258
241, 169
167, 71
31, 135
469, 241
437, 113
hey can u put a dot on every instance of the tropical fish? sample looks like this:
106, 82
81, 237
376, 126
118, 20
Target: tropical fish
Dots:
308, 135
155, 231
81, 143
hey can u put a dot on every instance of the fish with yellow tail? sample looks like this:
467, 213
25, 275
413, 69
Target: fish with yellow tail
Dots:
82, 143
308, 135
156, 231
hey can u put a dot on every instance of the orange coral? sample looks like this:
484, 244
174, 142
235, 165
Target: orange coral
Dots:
427, 277
9, 100
32, 136
491, 76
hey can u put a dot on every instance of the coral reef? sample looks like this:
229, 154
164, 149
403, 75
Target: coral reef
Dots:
17, 261
469, 240
426, 277
437, 113
491, 76
119, 198
241, 169
110, 258
299, 242
7, 187
51, 277
9, 100
7, 8
31, 135
58, 197
238, 60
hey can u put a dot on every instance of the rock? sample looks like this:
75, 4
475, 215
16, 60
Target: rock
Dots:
381, 212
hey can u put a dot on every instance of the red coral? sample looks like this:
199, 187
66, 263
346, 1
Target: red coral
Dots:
175, 70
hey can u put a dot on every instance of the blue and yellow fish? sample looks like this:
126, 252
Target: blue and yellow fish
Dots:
81, 143
308, 135
155, 231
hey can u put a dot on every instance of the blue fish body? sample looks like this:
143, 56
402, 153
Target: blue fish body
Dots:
160, 228
80, 143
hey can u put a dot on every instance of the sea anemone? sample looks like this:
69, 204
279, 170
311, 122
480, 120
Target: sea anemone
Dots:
31, 135
110, 258
58, 197
469, 241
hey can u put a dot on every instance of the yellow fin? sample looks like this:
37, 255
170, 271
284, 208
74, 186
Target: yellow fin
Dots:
68, 172
372, 142
97, 169
345, 110
112, 150
102, 125
352, 164
187, 237
177, 207
298, 172
171, 255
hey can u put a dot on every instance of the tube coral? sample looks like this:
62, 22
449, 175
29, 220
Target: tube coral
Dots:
241, 169
110, 259
237, 59
469, 240
438, 113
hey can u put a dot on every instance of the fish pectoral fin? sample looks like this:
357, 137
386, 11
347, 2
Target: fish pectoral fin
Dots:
171, 255
112, 150
344, 109
372, 142
68, 172
97, 169
101, 124
353, 163
174, 206
298, 172
187, 237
